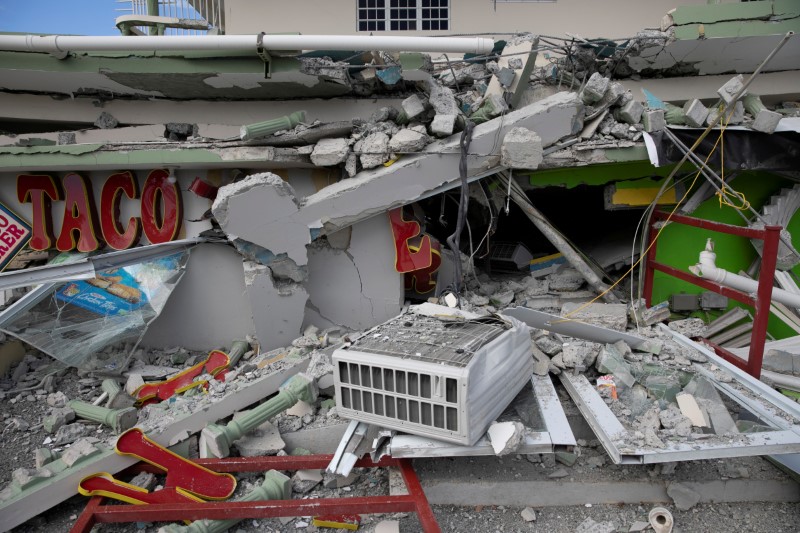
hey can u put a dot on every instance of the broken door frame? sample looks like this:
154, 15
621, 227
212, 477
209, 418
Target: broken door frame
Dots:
761, 303
556, 437
785, 439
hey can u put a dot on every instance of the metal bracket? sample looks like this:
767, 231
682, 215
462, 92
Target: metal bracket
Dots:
264, 55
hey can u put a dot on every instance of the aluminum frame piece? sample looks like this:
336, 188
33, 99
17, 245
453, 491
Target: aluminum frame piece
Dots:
557, 436
576, 328
88, 267
773, 407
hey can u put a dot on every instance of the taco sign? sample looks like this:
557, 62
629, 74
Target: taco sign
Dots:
87, 225
14, 235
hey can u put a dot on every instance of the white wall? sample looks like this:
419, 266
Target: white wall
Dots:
588, 18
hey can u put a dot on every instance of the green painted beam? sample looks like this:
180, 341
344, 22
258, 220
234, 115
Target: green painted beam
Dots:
600, 174
750, 28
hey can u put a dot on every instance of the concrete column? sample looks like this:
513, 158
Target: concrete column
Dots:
268, 127
216, 439
276, 486
118, 419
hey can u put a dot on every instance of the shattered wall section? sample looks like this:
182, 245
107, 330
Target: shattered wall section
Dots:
357, 287
278, 305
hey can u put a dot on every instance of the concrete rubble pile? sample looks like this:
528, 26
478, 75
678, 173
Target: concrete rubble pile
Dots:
278, 396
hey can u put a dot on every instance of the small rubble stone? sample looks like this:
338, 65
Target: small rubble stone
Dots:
145, 480
305, 480
580, 354
638, 526
595, 88
334, 481
521, 148
501, 299
528, 514
106, 121
329, 152
44, 456
79, 449
731, 87
558, 474
374, 150
672, 419
351, 164
630, 112
566, 458
57, 418
591, 526
70, 433
548, 344
682, 496
442, 99
691, 327
134, 382
654, 120
505, 437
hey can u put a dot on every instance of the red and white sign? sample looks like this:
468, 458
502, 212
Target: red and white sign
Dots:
14, 235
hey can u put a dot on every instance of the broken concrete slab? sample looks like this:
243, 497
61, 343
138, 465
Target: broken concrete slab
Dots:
683, 496
611, 316
329, 152
264, 440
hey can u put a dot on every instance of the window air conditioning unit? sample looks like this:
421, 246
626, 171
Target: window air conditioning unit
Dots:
440, 377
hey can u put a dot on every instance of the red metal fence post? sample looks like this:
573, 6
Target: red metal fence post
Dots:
766, 281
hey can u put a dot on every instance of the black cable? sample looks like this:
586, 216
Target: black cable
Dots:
455, 239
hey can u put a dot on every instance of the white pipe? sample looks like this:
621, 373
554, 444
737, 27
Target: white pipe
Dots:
242, 43
707, 269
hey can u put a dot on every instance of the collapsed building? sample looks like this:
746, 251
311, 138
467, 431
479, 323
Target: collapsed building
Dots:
308, 194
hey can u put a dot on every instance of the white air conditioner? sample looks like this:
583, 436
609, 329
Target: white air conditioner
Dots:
436, 377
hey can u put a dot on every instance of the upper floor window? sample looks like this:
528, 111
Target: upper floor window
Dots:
403, 15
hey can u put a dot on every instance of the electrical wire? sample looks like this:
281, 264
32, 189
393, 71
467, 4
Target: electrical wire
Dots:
454, 240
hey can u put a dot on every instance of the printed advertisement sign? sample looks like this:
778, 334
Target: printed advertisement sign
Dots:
14, 235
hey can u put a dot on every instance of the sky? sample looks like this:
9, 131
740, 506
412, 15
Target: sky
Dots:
75, 17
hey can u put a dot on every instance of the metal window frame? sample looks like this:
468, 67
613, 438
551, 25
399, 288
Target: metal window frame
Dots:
608, 429
387, 19
557, 436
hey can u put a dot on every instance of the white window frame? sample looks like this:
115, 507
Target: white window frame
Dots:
387, 20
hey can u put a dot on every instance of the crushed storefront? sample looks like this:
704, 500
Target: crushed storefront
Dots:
300, 245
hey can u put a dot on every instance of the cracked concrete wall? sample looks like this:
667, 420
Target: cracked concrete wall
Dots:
277, 305
209, 307
357, 287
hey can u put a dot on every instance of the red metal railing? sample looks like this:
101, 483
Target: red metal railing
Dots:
95, 512
761, 303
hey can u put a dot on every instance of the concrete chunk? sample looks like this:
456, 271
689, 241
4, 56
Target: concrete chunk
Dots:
374, 150
408, 141
414, 106
630, 112
79, 449
654, 120
696, 113
264, 440
328, 152
766, 121
505, 437
612, 316
528, 514
305, 480
684, 497
521, 148
731, 87
595, 88
443, 125
691, 410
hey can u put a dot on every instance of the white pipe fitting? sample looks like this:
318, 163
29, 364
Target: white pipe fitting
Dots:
56, 44
706, 268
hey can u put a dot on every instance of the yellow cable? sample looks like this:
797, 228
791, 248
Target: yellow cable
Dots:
725, 191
